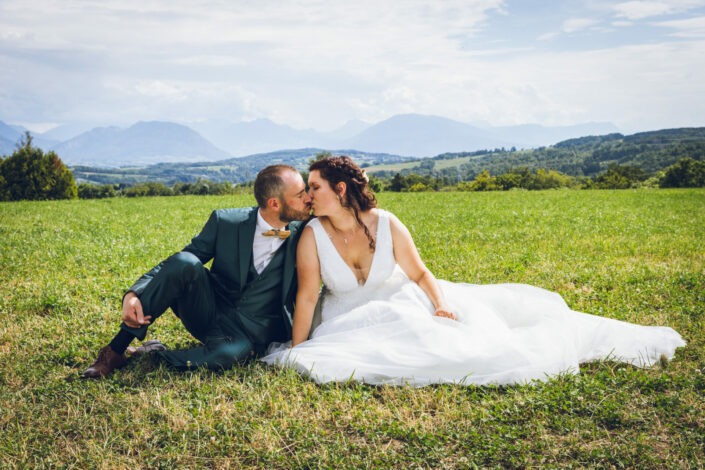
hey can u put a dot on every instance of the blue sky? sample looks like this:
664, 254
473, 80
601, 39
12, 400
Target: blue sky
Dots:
320, 63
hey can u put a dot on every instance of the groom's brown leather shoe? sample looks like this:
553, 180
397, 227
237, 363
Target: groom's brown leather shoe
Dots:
108, 360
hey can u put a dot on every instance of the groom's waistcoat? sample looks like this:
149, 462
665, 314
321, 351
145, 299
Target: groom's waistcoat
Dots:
258, 312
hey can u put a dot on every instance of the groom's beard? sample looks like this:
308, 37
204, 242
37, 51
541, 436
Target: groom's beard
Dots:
289, 214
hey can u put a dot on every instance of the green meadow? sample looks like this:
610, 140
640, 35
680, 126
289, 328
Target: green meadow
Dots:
438, 164
634, 255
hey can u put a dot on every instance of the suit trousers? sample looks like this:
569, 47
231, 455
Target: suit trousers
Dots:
183, 284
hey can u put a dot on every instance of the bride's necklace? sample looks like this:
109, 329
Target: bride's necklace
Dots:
345, 235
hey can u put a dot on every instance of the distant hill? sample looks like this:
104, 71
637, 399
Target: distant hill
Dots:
140, 144
6, 147
421, 136
234, 170
534, 135
412, 135
65, 132
345, 132
247, 138
585, 156
11, 135
8, 139
263, 135
424, 136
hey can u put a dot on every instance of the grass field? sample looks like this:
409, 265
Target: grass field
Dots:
636, 255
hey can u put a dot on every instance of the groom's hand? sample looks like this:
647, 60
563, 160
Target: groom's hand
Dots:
132, 311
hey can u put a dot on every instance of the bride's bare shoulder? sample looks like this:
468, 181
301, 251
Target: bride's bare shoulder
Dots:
306, 246
370, 216
307, 234
397, 227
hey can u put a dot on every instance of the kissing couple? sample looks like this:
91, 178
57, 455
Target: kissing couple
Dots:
381, 317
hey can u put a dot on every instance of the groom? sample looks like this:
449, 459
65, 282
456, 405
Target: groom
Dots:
244, 302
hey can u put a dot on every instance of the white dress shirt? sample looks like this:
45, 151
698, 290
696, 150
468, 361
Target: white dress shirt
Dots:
263, 248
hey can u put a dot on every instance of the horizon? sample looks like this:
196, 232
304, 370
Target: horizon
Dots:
34, 129
317, 65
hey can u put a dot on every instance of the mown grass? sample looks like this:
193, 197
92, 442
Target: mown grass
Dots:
635, 255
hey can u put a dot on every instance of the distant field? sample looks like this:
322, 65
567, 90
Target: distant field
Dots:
635, 255
408, 165
439, 164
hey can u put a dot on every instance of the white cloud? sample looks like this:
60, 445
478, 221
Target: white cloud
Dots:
636, 10
572, 25
687, 28
159, 89
38, 127
319, 63
277, 51
547, 36
636, 87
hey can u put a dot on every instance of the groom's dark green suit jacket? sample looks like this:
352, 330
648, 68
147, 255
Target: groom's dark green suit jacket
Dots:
261, 305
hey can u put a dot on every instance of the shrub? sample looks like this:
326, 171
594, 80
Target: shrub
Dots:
375, 184
685, 173
402, 183
619, 177
31, 174
419, 187
92, 191
148, 189
550, 179
518, 178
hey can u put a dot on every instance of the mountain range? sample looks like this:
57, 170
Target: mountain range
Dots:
585, 156
412, 135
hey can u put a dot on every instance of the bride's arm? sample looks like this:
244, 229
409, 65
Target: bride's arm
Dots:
407, 256
309, 279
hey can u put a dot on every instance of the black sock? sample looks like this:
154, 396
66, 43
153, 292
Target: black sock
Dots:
121, 341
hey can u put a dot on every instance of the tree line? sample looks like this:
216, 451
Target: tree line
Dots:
685, 173
201, 187
31, 174
580, 157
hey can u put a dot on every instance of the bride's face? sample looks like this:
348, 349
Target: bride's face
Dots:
324, 200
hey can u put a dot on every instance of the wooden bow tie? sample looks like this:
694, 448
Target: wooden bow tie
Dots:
283, 234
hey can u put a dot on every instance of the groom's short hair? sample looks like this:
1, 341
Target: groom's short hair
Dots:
269, 183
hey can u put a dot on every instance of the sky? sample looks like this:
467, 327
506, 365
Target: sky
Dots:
319, 63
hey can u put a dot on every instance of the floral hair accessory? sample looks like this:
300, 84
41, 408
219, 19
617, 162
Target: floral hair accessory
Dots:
364, 176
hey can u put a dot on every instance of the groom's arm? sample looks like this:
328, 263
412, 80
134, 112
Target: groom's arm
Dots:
202, 245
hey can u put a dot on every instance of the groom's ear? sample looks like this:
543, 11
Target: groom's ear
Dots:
273, 204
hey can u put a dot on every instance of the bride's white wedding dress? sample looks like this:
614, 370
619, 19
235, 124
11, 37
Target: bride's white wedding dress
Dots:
384, 332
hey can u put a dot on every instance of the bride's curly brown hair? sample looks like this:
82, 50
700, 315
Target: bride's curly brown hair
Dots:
358, 196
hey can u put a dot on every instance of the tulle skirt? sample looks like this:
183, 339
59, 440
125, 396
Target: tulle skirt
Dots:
505, 334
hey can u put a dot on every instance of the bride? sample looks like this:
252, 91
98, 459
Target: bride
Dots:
385, 319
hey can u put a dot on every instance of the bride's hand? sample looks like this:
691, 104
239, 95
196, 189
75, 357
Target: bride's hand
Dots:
445, 313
